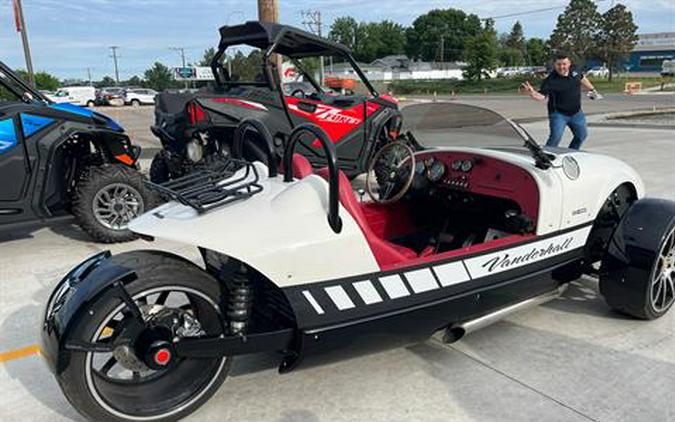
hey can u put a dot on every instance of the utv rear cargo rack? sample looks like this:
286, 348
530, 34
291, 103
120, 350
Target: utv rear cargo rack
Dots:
211, 188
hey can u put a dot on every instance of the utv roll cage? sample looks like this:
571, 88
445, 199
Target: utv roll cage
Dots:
10, 81
273, 38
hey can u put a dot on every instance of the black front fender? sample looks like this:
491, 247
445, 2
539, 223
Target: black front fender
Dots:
632, 253
70, 296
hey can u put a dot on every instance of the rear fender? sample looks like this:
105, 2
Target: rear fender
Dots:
71, 295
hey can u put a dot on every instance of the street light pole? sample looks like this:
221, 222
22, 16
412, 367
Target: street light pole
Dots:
21, 27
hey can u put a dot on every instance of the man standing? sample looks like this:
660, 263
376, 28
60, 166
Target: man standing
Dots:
562, 91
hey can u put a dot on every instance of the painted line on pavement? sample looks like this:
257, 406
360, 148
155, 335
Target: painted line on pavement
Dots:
23, 352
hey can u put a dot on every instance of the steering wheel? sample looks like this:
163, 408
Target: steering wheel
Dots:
298, 91
395, 165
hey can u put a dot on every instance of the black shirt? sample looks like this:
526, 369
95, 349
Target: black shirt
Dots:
563, 92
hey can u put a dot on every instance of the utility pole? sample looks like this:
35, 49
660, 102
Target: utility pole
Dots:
268, 11
114, 56
89, 75
312, 21
21, 27
182, 53
442, 51
181, 50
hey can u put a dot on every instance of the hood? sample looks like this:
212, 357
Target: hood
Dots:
99, 118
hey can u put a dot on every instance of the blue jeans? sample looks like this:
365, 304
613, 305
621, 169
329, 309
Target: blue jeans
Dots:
557, 123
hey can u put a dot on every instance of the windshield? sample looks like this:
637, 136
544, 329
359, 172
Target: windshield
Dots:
453, 124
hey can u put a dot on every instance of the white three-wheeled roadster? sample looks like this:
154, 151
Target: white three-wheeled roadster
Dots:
453, 238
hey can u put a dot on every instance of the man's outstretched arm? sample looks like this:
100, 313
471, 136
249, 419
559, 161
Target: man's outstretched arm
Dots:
532, 92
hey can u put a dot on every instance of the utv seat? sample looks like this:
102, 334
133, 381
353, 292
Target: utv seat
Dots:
386, 253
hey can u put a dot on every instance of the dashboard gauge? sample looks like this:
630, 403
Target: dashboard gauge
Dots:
457, 165
436, 171
419, 167
467, 165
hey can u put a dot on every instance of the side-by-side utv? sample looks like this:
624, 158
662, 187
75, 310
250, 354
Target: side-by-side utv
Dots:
60, 159
194, 128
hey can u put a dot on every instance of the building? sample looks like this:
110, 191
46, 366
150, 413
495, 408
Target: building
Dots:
398, 67
650, 52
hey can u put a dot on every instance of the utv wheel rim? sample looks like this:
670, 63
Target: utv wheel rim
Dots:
115, 205
662, 292
115, 394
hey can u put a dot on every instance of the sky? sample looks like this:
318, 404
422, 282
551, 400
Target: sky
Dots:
69, 36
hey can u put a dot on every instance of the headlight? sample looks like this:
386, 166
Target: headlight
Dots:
195, 151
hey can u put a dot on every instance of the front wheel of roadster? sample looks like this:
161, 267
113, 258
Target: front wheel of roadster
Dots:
133, 374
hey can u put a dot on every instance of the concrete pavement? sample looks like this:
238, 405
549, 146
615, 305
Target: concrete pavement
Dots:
569, 360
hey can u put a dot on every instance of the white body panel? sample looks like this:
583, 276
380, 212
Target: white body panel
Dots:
282, 232
143, 96
78, 95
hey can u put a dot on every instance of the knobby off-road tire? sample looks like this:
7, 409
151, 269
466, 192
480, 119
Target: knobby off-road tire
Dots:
103, 192
165, 395
159, 168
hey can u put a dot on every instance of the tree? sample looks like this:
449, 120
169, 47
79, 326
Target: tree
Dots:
345, 30
481, 53
159, 77
516, 39
576, 30
441, 35
616, 37
369, 40
536, 52
106, 81
43, 80
209, 54
511, 57
134, 81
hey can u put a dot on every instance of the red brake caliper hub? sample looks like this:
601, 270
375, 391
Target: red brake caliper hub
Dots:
160, 355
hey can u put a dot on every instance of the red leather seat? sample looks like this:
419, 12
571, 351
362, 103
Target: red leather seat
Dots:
385, 252
301, 166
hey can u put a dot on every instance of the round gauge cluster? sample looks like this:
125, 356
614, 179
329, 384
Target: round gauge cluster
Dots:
436, 171
462, 165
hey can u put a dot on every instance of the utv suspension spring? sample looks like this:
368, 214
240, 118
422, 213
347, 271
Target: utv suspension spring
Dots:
240, 302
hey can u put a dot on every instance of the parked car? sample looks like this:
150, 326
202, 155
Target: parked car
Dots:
668, 68
139, 96
110, 96
455, 238
598, 72
195, 128
78, 95
62, 159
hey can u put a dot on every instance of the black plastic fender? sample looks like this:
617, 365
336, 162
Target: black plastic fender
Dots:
70, 296
630, 258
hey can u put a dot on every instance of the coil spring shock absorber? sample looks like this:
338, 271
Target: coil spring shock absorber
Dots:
240, 301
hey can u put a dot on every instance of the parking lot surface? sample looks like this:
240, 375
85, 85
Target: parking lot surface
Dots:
569, 360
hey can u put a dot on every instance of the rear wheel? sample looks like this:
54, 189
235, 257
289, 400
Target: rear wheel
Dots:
106, 199
90, 103
135, 103
135, 375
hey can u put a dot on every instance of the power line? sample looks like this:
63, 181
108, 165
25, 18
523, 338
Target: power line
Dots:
533, 11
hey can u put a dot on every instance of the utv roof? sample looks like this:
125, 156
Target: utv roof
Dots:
291, 42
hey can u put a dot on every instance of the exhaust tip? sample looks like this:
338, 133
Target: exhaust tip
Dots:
453, 334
